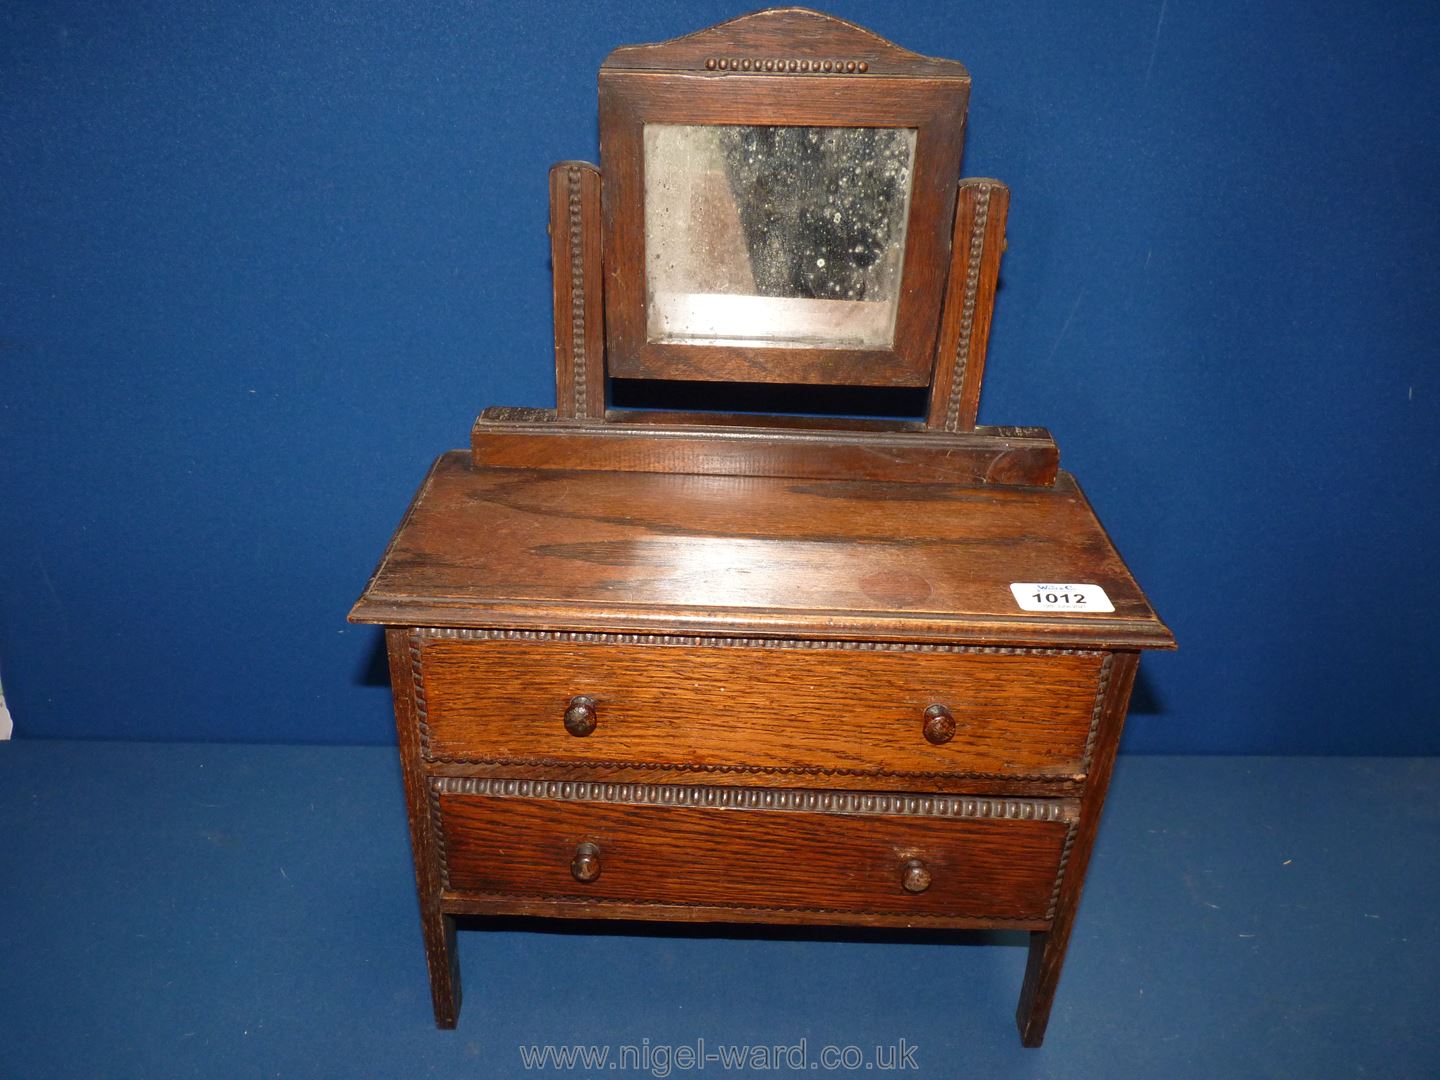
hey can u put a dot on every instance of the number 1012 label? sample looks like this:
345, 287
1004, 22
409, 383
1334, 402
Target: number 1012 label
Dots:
1049, 596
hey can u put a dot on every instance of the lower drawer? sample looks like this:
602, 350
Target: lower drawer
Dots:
797, 850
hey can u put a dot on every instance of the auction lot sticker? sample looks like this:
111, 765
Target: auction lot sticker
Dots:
1052, 596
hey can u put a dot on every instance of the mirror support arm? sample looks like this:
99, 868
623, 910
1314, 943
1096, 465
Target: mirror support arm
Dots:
976, 246
576, 273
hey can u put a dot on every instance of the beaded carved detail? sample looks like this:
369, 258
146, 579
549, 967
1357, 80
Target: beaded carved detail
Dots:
1100, 694
417, 676
577, 289
758, 770
1070, 834
820, 802
696, 641
786, 66
967, 307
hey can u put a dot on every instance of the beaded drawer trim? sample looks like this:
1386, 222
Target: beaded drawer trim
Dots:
823, 802
1060, 811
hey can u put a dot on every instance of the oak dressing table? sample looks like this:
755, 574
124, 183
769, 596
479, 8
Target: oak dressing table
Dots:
749, 668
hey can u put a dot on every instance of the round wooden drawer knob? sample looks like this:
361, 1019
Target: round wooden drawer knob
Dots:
580, 716
939, 724
915, 876
585, 866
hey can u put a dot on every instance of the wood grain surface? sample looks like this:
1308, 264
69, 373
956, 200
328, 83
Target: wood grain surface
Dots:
536, 439
549, 907
752, 858
858, 711
737, 555
1047, 949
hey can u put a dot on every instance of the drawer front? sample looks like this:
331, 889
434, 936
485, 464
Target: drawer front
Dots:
671, 844
753, 705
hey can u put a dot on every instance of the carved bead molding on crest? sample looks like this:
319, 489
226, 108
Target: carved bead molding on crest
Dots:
783, 40
789, 66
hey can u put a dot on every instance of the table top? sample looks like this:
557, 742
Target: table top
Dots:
665, 553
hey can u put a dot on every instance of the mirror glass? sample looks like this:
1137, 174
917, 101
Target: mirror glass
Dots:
775, 236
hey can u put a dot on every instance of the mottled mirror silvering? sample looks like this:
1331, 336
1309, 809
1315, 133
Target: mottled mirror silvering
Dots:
775, 236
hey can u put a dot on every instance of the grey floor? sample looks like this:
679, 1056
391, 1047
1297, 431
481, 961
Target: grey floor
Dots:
204, 910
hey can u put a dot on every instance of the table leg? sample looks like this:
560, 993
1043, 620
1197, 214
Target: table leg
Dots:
1047, 947
444, 962
1042, 975
438, 927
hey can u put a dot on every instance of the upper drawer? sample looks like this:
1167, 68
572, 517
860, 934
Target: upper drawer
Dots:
726, 704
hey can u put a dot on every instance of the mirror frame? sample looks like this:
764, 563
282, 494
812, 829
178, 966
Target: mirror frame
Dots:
784, 67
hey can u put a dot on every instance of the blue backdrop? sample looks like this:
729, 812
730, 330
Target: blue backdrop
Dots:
258, 265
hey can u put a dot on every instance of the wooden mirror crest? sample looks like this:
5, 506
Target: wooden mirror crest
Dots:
778, 201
